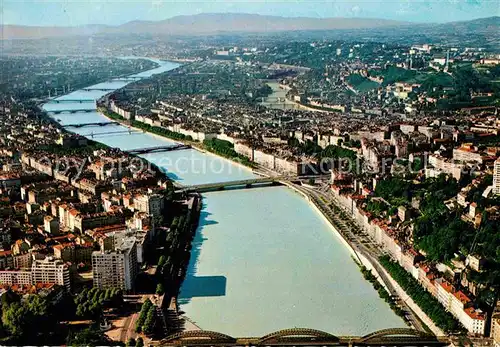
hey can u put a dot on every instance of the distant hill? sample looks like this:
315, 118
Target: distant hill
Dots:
484, 25
232, 22
212, 23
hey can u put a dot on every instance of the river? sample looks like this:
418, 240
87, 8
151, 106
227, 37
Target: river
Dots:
263, 259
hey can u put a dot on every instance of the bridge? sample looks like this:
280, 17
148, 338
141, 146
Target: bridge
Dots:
158, 149
130, 131
99, 89
233, 184
81, 125
128, 79
273, 99
74, 101
82, 110
307, 337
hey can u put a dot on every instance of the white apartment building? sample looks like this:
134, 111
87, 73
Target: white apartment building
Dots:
51, 270
458, 304
496, 177
116, 268
495, 329
19, 277
467, 153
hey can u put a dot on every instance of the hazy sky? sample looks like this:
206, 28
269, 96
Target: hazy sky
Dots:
113, 12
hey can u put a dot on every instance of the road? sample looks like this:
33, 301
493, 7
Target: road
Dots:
128, 330
361, 243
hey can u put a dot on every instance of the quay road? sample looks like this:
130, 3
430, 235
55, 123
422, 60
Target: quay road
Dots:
362, 244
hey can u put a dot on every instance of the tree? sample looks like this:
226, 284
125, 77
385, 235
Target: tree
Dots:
143, 315
140, 342
161, 261
160, 289
16, 319
150, 321
131, 342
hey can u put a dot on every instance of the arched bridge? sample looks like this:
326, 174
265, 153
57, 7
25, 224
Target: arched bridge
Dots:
307, 337
233, 184
296, 335
199, 336
84, 110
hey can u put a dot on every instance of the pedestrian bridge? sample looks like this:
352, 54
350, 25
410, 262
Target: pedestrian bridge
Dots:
307, 337
235, 184
158, 149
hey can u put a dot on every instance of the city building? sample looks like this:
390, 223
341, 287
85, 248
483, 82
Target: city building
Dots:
50, 270
496, 177
16, 277
116, 268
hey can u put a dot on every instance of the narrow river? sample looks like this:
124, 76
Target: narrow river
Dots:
263, 259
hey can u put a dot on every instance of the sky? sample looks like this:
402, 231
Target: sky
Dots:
115, 12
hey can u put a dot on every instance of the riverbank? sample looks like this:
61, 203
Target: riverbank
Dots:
199, 146
420, 320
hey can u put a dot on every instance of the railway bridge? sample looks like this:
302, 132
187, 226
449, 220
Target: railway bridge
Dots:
307, 337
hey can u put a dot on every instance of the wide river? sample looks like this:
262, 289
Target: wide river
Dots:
263, 259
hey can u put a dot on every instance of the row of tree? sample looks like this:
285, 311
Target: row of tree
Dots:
147, 318
368, 275
226, 150
429, 304
90, 302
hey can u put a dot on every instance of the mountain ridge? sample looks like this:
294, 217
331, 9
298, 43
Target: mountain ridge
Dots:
212, 23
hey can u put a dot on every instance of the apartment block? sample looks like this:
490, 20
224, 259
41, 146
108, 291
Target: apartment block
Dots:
51, 270
116, 268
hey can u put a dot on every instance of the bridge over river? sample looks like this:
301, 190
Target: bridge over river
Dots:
307, 337
99, 89
248, 183
157, 149
70, 101
96, 124
82, 110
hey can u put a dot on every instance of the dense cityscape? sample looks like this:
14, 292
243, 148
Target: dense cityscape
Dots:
384, 144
